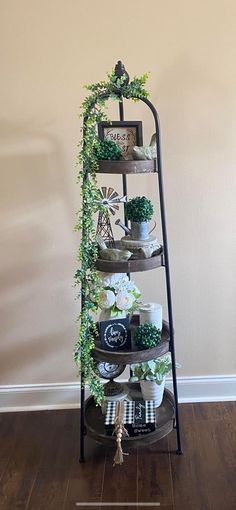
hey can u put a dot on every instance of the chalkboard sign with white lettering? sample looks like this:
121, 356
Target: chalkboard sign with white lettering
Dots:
115, 335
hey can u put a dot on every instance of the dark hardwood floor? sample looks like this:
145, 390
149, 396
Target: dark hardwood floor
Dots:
39, 468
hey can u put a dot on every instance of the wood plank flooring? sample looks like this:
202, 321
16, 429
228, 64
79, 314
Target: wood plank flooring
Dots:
39, 468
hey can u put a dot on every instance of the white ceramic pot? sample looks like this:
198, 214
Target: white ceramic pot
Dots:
151, 313
153, 391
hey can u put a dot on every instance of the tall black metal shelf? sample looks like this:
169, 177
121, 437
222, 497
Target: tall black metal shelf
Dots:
91, 419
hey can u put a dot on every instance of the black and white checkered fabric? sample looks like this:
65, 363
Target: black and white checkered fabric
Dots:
150, 411
129, 408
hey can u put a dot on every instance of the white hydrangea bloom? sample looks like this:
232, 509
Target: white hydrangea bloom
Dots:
133, 288
111, 279
122, 283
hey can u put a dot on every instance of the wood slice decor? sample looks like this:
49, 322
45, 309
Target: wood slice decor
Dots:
127, 167
94, 422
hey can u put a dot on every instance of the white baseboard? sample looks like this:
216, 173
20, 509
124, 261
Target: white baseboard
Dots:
217, 388
37, 397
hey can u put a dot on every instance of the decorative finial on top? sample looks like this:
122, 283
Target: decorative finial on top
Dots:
120, 71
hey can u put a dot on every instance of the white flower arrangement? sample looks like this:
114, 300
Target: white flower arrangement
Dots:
117, 294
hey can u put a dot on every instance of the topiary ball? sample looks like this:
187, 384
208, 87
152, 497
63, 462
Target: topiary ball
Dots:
107, 149
139, 209
147, 336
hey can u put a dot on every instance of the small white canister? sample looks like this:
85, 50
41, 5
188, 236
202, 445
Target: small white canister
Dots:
151, 313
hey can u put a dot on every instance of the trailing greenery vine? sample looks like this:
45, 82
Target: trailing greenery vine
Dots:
86, 277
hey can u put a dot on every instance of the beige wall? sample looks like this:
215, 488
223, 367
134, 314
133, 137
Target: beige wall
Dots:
49, 49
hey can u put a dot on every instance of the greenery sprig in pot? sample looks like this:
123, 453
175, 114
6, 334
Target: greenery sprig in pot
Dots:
139, 211
147, 336
115, 87
151, 375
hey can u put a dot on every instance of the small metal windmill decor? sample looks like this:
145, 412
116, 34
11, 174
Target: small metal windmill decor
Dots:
109, 204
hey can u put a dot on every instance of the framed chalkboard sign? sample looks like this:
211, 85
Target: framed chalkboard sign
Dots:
115, 335
126, 134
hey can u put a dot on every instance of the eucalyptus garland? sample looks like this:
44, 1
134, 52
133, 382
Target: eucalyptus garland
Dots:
86, 277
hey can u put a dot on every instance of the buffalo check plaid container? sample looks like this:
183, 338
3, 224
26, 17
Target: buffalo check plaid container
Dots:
139, 417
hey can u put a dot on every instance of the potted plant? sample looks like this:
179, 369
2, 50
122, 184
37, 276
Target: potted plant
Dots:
107, 149
151, 375
139, 211
147, 336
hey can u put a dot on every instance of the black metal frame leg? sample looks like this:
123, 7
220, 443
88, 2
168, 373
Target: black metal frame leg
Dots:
167, 269
82, 428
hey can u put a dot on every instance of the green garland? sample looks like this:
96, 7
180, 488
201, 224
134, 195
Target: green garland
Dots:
86, 277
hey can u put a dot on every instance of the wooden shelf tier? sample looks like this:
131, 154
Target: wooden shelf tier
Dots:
134, 356
131, 265
127, 167
94, 423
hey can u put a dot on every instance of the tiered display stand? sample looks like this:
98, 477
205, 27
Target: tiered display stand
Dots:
91, 418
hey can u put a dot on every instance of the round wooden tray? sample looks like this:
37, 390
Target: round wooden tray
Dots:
127, 167
94, 423
132, 265
137, 356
